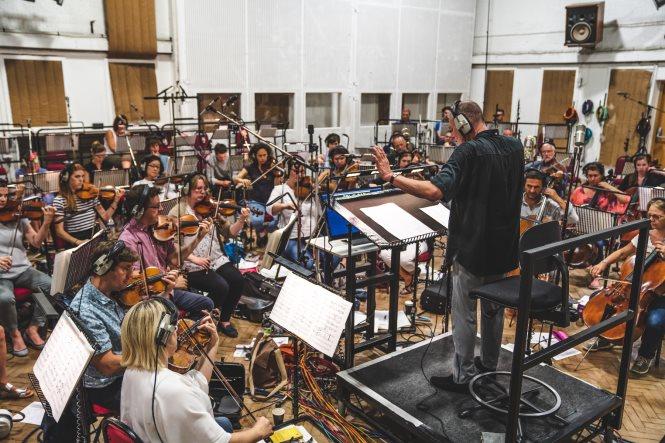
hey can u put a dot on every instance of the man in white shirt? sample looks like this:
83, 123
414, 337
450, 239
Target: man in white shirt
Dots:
533, 205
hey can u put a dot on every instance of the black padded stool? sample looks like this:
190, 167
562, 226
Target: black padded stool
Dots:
549, 302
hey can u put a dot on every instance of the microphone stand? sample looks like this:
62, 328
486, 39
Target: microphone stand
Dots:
575, 170
642, 147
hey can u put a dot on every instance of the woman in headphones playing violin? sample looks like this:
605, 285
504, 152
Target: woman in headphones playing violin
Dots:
75, 213
208, 267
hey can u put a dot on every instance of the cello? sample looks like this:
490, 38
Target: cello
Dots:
615, 299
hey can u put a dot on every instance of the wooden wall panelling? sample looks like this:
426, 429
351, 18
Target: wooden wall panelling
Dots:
556, 95
131, 82
498, 91
36, 91
658, 128
624, 114
131, 28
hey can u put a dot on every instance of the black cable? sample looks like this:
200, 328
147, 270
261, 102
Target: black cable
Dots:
30, 434
154, 388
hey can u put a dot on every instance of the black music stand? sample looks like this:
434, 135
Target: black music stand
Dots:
351, 209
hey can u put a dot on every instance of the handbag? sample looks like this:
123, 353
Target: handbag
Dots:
266, 367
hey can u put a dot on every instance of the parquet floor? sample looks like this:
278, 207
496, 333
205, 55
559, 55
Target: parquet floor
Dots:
643, 420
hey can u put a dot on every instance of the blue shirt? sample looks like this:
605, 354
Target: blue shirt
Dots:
102, 317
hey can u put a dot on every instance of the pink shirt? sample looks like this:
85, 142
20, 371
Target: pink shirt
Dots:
153, 252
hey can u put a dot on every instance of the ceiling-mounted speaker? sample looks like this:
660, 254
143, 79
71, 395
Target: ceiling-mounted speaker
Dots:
584, 24
659, 3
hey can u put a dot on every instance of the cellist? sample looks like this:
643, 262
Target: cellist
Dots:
655, 315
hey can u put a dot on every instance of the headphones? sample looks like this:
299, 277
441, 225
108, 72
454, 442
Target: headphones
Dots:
7, 422
336, 151
138, 209
105, 261
66, 173
167, 323
540, 175
461, 122
187, 187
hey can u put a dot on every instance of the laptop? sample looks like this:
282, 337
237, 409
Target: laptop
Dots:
338, 227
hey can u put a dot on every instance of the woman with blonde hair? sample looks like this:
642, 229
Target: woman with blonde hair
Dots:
162, 405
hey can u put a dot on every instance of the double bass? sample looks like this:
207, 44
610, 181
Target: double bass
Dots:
615, 298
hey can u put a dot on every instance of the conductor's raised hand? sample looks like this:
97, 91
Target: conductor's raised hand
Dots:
382, 163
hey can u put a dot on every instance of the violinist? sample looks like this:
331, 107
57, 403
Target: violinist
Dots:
242, 142
75, 213
655, 315
261, 161
153, 168
96, 305
16, 270
644, 175
283, 208
163, 405
549, 165
597, 198
97, 157
332, 140
541, 202
152, 147
340, 164
119, 130
398, 144
33, 166
208, 267
218, 170
442, 134
142, 204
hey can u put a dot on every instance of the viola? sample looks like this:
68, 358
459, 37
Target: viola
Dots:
134, 292
615, 299
208, 206
167, 227
88, 192
189, 335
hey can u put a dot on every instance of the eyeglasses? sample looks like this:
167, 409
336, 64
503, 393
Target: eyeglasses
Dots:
153, 166
655, 216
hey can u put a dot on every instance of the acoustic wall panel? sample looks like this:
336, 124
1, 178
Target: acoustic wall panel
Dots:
214, 44
327, 44
417, 46
377, 42
454, 52
274, 45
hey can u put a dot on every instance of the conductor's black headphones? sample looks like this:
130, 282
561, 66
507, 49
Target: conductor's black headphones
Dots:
459, 119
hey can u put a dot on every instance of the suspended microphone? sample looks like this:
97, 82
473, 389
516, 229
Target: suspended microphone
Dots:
230, 101
209, 105
580, 130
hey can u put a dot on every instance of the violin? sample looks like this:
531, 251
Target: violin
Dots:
108, 193
304, 187
167, 227
88, 192
615, 299
14, 210
208, 206
134, 292
189, 334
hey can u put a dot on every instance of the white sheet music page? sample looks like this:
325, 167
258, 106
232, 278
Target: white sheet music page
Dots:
396, 220
312, 313
438, 212
61, 363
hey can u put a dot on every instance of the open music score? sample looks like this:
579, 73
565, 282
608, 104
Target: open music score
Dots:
61, 364
311, 312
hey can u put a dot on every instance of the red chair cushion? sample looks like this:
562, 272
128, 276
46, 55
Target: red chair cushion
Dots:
116, 431
52, 166
22, 294
424, 256
101, 410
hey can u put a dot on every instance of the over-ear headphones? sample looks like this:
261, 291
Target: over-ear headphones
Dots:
7, 422
167, 323
594, 165
139, 207
105, 261
66, 173
537, 173
461, 122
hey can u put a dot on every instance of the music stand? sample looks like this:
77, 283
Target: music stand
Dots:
351, 209
167, 205
46, 182
645, 194
114, 177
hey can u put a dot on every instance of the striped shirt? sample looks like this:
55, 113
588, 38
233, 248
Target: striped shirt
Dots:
76, 221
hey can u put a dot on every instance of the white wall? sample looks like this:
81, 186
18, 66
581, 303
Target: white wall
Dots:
528, 36
43, 30
345, 46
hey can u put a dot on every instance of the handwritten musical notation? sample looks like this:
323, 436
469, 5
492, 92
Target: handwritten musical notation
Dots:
61, 363
312, 313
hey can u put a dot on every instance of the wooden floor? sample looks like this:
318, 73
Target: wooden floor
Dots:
643, 420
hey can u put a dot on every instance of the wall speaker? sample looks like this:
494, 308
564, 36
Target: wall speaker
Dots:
584, 24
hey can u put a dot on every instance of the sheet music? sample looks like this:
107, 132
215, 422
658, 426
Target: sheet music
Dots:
312, 313
397, 221
61, 364
438, 212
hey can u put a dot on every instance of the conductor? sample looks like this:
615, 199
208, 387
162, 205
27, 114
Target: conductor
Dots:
483, 179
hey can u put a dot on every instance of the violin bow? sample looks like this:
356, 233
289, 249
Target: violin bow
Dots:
214, 225
144, 278
236, 398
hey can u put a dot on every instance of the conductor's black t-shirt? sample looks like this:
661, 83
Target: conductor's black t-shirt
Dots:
484, 180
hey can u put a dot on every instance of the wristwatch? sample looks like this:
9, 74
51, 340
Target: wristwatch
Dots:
392, 177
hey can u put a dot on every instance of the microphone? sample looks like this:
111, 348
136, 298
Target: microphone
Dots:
623, 94
352, 155
229, 101
209, 105
579, 135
